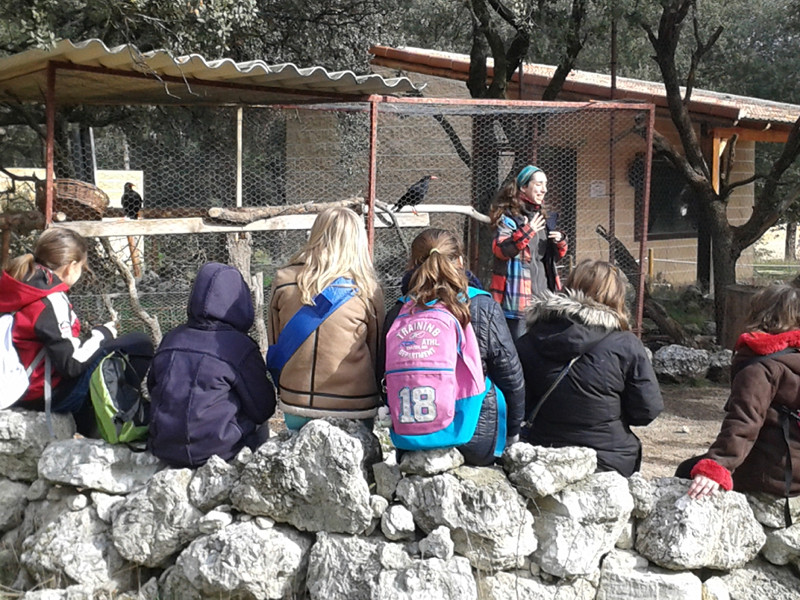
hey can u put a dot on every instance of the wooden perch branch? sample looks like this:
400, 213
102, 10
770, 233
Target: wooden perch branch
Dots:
151, 322
250, 214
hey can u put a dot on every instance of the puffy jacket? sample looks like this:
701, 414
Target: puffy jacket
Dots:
500, 363
208, 380
609, 388
44, 319
332, 373
750, 443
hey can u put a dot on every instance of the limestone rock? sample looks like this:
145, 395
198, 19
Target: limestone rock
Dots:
520, 586
13, 498
642, 491
431, 578
628, 576
157, 521
679, 364
783, 545
431, 462
97, 465
438, 544
214, 520
580, 524
242, 561
106, 505
759, 579
719, 366
76, 545
718, 532
627, 538
387, 475
488, 520
342, 567
769, 509
212, 484
23, 438
538, 471
397, 523
314, 481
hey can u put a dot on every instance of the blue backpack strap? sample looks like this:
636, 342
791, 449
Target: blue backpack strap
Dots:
305, 321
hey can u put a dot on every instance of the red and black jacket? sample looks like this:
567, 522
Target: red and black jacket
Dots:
44, 319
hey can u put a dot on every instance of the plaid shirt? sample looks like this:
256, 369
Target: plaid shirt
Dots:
511, 267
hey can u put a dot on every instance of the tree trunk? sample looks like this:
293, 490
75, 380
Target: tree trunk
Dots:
724, 255
790, 250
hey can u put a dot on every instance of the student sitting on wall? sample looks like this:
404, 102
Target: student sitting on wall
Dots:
587, 377
325, 316
437, 257
758, 445
208, 381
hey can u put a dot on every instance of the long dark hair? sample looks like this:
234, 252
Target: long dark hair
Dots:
436, 257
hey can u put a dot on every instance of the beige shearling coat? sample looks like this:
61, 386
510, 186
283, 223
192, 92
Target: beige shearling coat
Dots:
332, 374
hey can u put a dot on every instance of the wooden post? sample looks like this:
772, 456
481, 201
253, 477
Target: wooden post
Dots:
50, 143
6, 248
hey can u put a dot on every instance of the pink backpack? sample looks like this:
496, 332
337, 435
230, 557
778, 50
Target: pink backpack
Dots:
434, 379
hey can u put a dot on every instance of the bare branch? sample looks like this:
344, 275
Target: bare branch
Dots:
574, 46
455, 140
151, 322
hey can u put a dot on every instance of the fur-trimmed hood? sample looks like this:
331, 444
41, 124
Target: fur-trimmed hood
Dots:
564, 325
575, 306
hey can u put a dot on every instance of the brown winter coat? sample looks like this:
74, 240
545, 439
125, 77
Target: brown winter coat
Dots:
332, 374
750, 443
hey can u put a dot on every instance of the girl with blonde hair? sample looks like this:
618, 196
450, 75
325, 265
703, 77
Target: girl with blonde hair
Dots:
332, 371
587, 377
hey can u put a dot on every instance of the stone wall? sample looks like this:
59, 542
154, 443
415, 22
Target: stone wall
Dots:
327, 514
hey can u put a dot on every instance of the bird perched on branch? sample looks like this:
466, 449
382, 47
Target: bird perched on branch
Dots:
415, 194
131, 201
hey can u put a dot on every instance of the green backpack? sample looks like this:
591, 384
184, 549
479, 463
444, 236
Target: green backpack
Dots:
121, 408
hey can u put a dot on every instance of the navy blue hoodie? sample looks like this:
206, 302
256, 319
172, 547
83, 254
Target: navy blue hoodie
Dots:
208, 381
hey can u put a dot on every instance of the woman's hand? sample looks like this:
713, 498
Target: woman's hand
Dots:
701, 487
556, 236
537, 222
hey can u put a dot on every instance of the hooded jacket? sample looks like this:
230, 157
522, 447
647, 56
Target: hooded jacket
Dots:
500, 362
332, 373
208, 380
750, 444
609, 388
44, 319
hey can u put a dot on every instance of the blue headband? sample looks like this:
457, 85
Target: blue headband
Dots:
525, 175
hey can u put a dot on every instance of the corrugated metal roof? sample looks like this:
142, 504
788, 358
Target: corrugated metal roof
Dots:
594, 85
90, 72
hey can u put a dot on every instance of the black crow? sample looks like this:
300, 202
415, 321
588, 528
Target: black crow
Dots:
415, 194
131, 202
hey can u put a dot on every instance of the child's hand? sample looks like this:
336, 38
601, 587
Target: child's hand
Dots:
556, 236
111, 326
701, 487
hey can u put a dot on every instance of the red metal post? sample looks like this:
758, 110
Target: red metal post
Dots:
50, 112
373, 154
648, 162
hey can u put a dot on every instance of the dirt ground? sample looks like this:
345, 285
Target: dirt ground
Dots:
689, 424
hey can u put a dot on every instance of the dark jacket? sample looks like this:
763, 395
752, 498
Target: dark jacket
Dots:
609, 388
500, 363
44, 319
750, 443
208, 381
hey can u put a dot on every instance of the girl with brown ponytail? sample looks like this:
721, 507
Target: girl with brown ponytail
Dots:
436, 273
